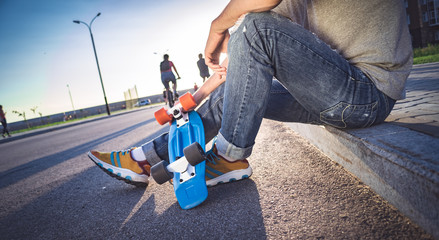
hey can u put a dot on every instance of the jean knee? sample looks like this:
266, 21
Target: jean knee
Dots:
254, 21
263, 17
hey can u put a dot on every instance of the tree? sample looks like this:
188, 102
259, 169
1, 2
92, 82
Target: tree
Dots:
41, 117
34, 109
22, 114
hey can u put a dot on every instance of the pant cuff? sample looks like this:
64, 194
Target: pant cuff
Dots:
231, 151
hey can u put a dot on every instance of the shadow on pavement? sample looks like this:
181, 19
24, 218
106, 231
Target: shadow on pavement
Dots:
225, 213
92, 206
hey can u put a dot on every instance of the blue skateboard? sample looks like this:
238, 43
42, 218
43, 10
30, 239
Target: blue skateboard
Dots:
186, 149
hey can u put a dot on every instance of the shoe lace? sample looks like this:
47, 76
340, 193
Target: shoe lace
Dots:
125, 151
211, 155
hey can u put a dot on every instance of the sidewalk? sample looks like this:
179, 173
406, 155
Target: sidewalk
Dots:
399, 159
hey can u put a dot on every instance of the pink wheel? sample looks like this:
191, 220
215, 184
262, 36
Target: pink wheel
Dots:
162, 117
187, 101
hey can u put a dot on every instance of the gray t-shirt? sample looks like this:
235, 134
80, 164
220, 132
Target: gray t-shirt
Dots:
372, 35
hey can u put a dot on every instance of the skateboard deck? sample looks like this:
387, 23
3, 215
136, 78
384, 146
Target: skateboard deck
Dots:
186, 149
189, 190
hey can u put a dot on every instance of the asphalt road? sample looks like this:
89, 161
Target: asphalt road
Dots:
49, 189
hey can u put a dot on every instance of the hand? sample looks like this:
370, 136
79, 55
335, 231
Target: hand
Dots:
216, 44
219, 34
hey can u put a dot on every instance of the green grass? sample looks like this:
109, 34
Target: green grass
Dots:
426, 55
54, 124
426, 59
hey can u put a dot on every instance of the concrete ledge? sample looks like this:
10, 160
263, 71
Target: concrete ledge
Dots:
399, 164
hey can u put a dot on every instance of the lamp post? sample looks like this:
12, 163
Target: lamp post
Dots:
96, 56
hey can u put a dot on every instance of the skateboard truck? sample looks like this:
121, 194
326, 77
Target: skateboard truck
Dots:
193, 155
178, 111
180, 116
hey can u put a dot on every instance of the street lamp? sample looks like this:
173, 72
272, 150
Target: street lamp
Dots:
96, 56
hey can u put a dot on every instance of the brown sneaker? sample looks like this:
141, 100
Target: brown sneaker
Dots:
219, 170
122, 166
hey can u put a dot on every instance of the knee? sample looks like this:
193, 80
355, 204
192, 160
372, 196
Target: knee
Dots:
261, 19
255, 24
259, 16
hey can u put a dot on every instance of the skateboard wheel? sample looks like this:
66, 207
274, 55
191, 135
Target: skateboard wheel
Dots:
162, 116
160, 173
187, 101
194, 154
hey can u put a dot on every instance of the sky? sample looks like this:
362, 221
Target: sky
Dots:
42, 50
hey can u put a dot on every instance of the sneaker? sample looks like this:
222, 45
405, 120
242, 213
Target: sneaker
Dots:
122, 166
219, 170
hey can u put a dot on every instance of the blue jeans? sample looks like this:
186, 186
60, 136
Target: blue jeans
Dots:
327, 88
168, 77
314, 85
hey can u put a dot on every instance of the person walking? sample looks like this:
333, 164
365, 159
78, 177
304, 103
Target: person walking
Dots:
4, 123
204, 70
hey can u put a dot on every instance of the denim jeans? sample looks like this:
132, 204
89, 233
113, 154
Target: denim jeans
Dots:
320, 80
314, 84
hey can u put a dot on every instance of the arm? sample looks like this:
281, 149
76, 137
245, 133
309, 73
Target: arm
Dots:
175, 69
219, 35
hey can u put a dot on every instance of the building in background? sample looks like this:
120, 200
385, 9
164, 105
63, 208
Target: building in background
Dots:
423, 21
131, 97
